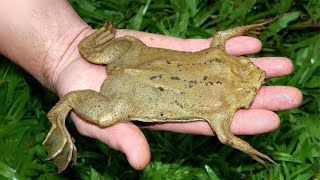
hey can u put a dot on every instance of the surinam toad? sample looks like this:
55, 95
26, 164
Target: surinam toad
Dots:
159, 85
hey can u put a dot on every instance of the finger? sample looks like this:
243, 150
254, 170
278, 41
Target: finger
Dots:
274, 66
254, 121
240, 45
276, 98
125, 137
245, 122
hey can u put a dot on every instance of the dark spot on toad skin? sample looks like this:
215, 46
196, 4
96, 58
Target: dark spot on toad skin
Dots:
153, 77
168, 62
156, 76
205, 78
161, 88
218, 82
174, 78
192, 83
179, 104
211, 83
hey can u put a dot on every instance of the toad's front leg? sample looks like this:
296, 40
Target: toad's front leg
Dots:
88, 104
221, 37
222, 129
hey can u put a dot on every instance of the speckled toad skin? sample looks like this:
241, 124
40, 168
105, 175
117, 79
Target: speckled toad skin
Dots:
159, 85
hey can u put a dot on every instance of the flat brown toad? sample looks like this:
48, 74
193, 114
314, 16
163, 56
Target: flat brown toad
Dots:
159, 85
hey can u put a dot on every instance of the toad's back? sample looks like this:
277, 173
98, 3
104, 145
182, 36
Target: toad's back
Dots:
177, 86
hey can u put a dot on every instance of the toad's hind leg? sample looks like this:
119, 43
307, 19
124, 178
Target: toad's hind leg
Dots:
222, 129
90, 105
221, 37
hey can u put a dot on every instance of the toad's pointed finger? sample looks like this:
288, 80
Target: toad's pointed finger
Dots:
274, 66
276, 98
245, 122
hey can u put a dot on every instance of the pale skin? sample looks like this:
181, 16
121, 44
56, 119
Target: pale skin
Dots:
43, 40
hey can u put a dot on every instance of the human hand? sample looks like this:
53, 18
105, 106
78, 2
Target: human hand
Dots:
76, 73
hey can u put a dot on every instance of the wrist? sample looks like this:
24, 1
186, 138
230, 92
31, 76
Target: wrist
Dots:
63, 52
41, 37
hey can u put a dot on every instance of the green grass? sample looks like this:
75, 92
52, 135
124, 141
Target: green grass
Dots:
294, 145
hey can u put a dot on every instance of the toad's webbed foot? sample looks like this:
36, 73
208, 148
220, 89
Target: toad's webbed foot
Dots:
60, 145
88, 104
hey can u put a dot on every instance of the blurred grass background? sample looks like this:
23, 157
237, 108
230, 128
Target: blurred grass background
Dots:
294, 145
